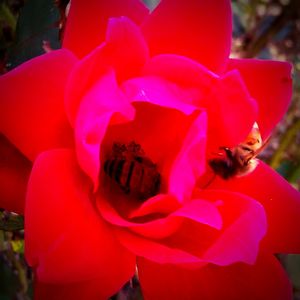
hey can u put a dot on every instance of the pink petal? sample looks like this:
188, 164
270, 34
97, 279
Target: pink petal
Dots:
86, 25
281, 203
32, 109
14, 174
231, 110
65, 236
237, 241
240, 238
265, 280
200, 211
158, 204
157, 228
161, 92
153, 127
270, 83
124, 50
197, 29
98, 106
190, 160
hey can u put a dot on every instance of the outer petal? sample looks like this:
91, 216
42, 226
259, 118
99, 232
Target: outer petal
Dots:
32, 107
280, 200
263, 281
87, 22
125, 48
14, 174
91, 290
270, 83
235, 114
197, 29
66, 240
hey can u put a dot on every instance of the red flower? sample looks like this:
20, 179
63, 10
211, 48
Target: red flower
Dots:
120, 127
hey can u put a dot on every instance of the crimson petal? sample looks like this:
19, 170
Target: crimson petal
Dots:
96, 110
280, 200
124, 50
197, 29
66, 240
14, 174
231, 109
86, 25
265, 280
32, 103
270, 83
191, 159
200, 239
237, 241
91, 290
199, 211
154, 250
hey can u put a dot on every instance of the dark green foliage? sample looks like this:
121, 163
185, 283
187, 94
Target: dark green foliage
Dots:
38, 24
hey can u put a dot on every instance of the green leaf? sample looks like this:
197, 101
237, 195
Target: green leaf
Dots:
38, 22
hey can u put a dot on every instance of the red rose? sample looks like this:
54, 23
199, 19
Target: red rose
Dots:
120, 124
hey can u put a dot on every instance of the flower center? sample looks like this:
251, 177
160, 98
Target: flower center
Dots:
128, 166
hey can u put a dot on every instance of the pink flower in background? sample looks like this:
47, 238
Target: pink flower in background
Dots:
120, 124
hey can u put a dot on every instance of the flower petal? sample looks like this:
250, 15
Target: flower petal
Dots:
96, 109
191, 159
182, 71
231, 110
157, 228
66, 240
240, 238
270, 83
159, 91
32, 115
14, 174
86, 25
265, 280
200, 239
281, 203
157, 204
237, 241
153, 127
197, 29
124, 50
233, 113
155, 251
91, 290
200, 211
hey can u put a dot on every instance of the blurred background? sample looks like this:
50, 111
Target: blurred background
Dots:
267, 29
